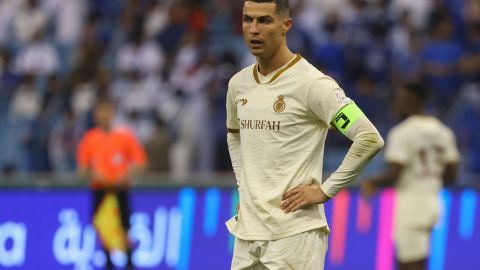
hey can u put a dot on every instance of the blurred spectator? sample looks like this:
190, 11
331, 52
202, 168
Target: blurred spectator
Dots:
26, 103
136, 98
377, 54
372, 98
37, 57
68, 17
156, 18
191, 76
158, 148
24, 110
329, 55
83, 97
219, 26
56, 99
8, 9
29, 20
177, 25
217, 94
89, 54
419, 11
140, 55
472, 11
36, 143
63, 143
471, 62
406, 46
441, 62
8, 78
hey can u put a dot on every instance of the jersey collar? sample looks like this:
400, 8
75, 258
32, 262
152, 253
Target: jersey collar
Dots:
297, 58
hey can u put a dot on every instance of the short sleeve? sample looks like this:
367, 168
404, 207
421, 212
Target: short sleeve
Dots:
451, 151
325, 98
136, 151
232, 118
396, 149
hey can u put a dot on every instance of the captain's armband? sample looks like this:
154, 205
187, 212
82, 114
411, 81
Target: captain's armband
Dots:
346, 117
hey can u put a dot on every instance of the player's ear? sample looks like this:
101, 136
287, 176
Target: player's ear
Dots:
287, 25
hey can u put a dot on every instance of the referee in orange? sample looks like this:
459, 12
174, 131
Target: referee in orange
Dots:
110, 157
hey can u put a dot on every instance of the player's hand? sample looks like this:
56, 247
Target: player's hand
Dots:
98, 176
368, 189
303, 196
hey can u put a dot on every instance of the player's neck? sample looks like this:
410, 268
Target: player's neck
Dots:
417, 113
105, 128
280, 58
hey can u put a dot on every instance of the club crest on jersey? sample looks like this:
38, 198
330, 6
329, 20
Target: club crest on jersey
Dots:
279, 105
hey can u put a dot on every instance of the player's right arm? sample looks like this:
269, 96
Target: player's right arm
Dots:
83, 153
233, 134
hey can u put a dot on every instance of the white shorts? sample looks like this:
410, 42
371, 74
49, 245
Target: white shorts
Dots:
304, 251
412, 244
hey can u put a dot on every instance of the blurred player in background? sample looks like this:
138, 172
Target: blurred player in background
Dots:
110, 157
420, 152
278, 115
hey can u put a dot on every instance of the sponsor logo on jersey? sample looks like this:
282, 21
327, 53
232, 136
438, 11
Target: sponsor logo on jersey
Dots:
259, 124
279, 105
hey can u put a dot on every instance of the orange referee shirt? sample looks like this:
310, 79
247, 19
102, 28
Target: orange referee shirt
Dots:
109, 155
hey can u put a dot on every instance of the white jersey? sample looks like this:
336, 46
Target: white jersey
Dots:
283, 119
424, 146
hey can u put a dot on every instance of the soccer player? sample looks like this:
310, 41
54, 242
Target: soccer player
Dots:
420, 152
110, 157
278, 114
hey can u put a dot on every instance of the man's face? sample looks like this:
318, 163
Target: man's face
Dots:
263, 28
104, 114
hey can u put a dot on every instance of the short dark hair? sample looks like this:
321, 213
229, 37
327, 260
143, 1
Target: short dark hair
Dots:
282, 6
104, 101
418, 88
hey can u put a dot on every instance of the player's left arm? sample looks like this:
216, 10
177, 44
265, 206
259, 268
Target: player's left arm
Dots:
398, 154
367, 142
335, 109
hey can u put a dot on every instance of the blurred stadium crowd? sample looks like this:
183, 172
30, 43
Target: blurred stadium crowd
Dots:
166, 64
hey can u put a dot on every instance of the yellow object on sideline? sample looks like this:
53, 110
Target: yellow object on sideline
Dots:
107, 222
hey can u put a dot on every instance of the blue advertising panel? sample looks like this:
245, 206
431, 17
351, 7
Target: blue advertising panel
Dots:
183, 228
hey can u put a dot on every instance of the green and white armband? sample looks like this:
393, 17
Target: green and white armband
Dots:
346, 117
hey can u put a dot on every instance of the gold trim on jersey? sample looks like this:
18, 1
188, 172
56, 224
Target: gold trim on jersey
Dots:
232, 130
297, 58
